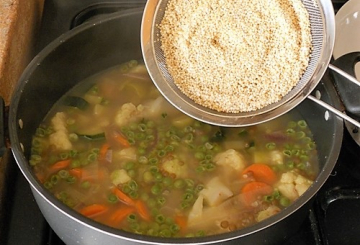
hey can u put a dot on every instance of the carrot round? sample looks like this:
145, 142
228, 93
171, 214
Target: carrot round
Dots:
252, 190
142, 210
261, 172
60, 165
93, 210
77, 172
123, 197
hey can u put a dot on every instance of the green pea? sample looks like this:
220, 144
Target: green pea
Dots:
40, 132
143, 160
134, 194
156, 189
148, 177
131, 173
129, 165
64, 156
48, 185
151, 202
165, 233
169, 148
71, 179
92, 157
290, 131
75, 164
284, 201
287, 153
179, 183
142, 127
133, 185
167, 181
161, 153
158, 177
160, 200
300, 135
270, 146
63, 174
112, 198
153, 161
292, 124
199, 155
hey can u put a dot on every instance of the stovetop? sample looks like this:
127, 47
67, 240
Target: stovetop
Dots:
333, 218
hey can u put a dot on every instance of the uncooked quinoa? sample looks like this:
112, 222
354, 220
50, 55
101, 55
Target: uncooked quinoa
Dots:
236, 56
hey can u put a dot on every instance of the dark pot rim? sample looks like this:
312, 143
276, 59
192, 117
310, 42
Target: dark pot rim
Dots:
48, 197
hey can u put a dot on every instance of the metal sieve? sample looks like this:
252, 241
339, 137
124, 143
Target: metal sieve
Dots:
322, 24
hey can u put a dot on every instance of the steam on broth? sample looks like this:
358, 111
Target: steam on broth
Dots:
114, 150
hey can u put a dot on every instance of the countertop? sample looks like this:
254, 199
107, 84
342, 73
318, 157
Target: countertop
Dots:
19, 21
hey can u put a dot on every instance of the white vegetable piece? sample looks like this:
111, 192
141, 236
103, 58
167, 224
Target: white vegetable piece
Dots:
215, 192
175, 166
127, 113
292, 185
230, 158
119, 177
125, 154
270, 211
60, 138
197, 209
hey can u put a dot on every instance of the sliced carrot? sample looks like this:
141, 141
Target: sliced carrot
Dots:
93, 210
60, 165
77, 172
253, 190
123, 197
103, 150
119, 138
119, 215
261, 172
181, 221
142, 210
40, 177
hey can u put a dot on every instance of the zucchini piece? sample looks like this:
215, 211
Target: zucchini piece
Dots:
100, 136
77, 102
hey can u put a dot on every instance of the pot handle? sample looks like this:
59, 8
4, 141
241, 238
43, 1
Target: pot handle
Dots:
346, 84
2, 127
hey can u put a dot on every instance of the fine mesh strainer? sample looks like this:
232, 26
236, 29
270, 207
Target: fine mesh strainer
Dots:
322, 23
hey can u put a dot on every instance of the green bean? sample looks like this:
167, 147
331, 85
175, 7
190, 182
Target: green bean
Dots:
133, 185
92, 157
160, 200
304, 158
54, 179
48, 185
73, 153
311, 146
134, 194
40, 132
169, 148
71, 179
161, 153
160, 219
302, 124
142, 127
189, 138
64, 156
153, 161
300, 134
63, 174
287, 153
187, 197
290, 131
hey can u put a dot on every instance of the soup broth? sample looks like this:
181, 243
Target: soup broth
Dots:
117, 152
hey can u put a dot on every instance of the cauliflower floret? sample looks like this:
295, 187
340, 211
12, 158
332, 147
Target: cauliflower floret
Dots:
174, 166
270, 211
276, 157
60, 138
230, 158
215, 192
127, 113
292, 185
119, 177
125, 154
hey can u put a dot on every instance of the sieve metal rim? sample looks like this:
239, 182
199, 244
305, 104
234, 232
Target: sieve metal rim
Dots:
319, 10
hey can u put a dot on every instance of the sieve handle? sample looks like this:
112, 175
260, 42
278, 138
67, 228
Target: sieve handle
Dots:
348, 87
335, 111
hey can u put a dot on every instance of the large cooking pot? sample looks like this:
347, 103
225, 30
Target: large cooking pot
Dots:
100, 44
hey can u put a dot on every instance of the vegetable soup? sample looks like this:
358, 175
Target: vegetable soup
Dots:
117, 152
